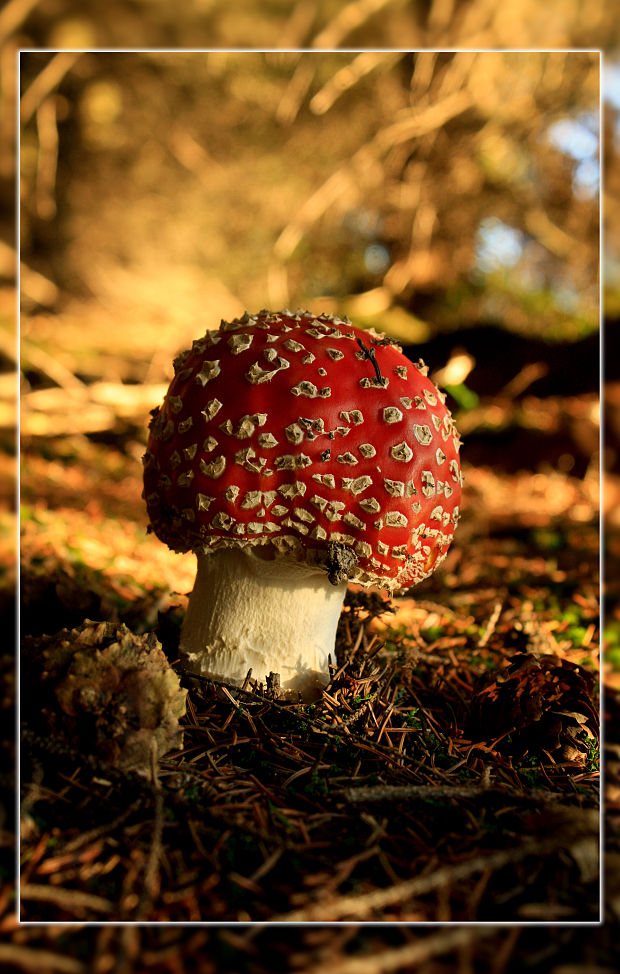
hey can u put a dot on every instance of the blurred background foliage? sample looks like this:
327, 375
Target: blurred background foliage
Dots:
427, 194
429, 190
316, 23
426, 190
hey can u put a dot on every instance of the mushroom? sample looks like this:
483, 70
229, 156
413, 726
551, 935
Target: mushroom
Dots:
294, 453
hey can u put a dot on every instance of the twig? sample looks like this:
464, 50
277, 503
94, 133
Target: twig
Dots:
13, 15
530, 372
45, 82
418, 123
36, 288
359, 906
552, 237
35, 959
294, 32
441, 13
348, 19
296, 91
152, 863
128, 950
47, 160
350, 180
71, 900
504, 952
490, 627
378, 793
84, 838
410, 955
83, 408
347, 77
38, 358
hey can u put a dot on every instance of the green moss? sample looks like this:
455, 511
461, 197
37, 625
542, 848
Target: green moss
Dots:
240, 852
412, 720
572, 614
192, 793
318, 786
548, 539
611, 642
486, 662
576, 634
279, 816
433, 632
612, 656
529, 776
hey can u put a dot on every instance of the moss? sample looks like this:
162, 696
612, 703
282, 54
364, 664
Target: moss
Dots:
548, 539
433, 633
529, 776
576, 634
317, 787
612, 656
412, 720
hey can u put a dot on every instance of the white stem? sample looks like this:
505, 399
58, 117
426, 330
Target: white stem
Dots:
275, 616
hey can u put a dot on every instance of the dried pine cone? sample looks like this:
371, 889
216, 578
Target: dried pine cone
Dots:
541, 703
107, 689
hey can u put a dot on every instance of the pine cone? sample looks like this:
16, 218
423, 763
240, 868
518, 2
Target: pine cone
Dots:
542, 703
106, 688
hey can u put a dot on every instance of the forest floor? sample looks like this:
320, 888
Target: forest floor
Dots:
450, 772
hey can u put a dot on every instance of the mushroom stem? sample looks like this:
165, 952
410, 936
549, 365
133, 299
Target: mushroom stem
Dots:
271, 615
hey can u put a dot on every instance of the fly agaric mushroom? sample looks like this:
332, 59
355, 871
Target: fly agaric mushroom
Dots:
293, 453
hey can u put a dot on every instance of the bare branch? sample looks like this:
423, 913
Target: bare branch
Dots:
45, 82
349, 19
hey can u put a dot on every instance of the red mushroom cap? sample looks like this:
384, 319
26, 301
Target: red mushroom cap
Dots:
302, 432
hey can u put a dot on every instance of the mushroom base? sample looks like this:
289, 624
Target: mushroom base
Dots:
250, 610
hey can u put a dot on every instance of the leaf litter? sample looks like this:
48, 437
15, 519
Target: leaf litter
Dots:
456, 747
